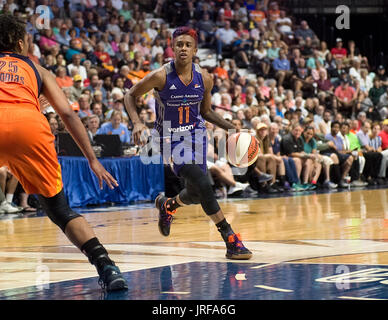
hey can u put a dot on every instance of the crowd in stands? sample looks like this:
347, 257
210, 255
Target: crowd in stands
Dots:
318, 109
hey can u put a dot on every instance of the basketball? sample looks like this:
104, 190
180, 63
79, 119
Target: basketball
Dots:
242, 149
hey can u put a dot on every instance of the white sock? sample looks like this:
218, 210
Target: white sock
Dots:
9, 197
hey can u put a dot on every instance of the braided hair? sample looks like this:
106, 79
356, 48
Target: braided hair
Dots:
13, 30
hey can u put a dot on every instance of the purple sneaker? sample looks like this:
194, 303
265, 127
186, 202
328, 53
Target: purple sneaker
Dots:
165, 215
235, 249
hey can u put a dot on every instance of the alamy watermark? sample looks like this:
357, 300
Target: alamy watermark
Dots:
42, 277
343, 20
181, 146
43, 21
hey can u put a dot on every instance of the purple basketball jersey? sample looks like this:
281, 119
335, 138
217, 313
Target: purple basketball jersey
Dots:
178, 119
177, 105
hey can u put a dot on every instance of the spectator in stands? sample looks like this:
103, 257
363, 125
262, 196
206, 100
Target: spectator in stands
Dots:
384, 135
319, 161
292, 146
301, 78
381, 74
375, 143
102, 55
345, 98
76, 88
97, 84
158, 62
365, 81
339, 52
117, 106
281, 66
271, 161
227, 12
261, 61
352, 147
345, 160
48, 41
376, 91
98, 109
157, 48
63, 38
84, 106
62, 79
284, 25
354, 52
206, 29
116, 126
76, 64
220, 71
123, 74
372, 157
257, 15
53, 125
382, 106
225, 37
323, 51
93, 124
304, 31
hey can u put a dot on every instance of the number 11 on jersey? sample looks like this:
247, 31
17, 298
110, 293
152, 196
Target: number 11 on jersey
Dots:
187, 112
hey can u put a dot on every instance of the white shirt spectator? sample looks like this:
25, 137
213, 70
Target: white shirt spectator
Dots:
366, 84
37, 51
88, 3
117, 4
259, 54
152, 33
285, 28
354, 73
113, 28
12, 7
226, 35
255, 34
155, 50
81, 70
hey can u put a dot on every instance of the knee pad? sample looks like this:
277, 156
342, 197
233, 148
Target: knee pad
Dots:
58, 210
194, 176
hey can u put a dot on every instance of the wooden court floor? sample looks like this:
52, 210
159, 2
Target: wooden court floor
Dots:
340, 238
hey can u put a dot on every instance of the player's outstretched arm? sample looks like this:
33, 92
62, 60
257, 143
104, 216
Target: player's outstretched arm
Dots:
73, 124
206, 107
156, 79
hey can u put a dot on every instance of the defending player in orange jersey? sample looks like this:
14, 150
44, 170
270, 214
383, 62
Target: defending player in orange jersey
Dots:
27, 144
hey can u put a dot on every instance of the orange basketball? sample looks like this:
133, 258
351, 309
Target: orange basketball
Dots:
242, 149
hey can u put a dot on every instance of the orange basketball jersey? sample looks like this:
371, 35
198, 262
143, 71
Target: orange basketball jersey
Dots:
20, 82
26, 142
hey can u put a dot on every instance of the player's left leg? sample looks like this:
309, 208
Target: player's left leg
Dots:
199, 190
80, 233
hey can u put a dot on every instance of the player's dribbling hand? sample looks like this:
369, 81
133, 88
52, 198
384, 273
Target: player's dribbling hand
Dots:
137, 134
102, 175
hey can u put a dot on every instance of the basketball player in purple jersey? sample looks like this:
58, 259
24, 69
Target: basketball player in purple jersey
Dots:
183, 102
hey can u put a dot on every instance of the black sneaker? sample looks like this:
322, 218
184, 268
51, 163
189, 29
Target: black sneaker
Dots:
165, 216
111, 279
270, 189
278, 187
265, 177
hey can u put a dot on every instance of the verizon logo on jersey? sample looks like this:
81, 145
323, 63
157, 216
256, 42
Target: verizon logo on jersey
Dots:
181, 128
